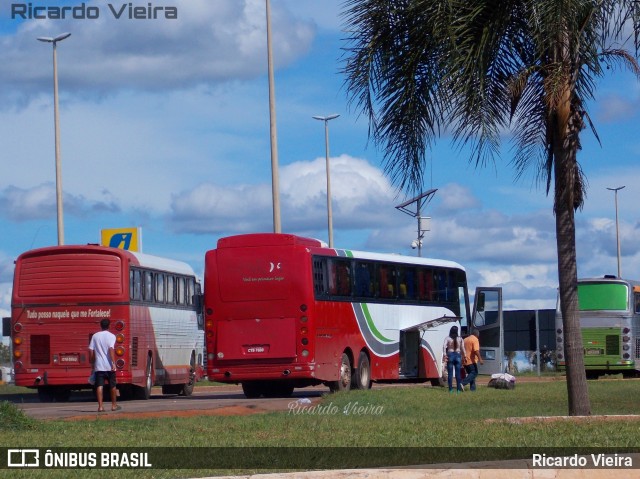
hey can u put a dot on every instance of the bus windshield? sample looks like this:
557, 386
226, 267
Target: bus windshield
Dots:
603, 297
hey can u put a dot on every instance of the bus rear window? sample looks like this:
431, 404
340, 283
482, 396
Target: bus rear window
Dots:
253, 274
70, 274
603, 296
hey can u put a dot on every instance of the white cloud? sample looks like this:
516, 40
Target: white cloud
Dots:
226, 40
361, 191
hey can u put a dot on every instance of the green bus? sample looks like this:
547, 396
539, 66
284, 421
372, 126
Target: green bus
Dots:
610, 325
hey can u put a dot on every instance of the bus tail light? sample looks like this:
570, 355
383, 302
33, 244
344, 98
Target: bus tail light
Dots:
120, 338
626, 331
119, 325
17, 341
120, 363
626, 339
17, 327
17, 354
119, 351
17, 366
305, 353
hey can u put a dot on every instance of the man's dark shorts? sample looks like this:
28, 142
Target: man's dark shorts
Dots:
108, 375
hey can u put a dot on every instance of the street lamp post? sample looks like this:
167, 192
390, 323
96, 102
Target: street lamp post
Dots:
56, 121
615, 190
275, 182
326, 147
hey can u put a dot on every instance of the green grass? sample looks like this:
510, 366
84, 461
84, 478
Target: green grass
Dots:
402, 417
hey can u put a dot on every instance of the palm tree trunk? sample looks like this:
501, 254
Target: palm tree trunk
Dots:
565, 169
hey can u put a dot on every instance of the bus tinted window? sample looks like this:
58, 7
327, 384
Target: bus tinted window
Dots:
387, 281
365, 279
160, 287
180, 292
406, 283
136, 284
148, 286
339, 277
170, 296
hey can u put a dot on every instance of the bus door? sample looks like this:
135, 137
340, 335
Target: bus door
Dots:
421, 347
488, 319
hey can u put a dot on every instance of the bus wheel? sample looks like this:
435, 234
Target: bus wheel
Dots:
438, 382
362, 374
45, 394
144, 392
277, 389
252, 389
344, 378
187, 389
61, 394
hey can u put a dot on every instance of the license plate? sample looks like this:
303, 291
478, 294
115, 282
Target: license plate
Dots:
70, 358
593, 352
256, 349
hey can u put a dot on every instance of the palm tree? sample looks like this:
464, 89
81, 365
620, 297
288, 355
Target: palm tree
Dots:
475, 68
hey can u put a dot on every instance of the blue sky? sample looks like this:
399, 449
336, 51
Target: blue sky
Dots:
165, 126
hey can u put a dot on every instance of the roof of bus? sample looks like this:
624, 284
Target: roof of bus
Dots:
398, 258
609, 278
275, 239
139, 259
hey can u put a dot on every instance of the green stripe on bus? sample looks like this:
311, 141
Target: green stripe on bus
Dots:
372, 327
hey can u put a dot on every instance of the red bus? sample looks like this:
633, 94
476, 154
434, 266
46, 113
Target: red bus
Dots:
282, 312
60, 295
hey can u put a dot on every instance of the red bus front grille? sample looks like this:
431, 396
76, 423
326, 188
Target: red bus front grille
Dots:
40, 349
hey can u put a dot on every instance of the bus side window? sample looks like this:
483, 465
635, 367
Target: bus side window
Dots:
343, 277
148, 286
180, 291
135, 288
407, 288
637, 302
159, 287
320, 283
170, 296
425, 285
364, 284
387, 281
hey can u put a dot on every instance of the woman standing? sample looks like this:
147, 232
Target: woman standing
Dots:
453, 350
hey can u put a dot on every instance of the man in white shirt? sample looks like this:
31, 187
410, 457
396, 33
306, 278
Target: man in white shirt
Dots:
102, 356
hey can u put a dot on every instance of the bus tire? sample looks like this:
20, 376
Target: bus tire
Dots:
344, 376
144, 392
252, 389
277, 389
187, 389
362, 374
61, 394
45, 394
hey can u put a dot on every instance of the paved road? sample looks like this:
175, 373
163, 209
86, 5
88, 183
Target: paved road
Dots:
206, 400
223, 400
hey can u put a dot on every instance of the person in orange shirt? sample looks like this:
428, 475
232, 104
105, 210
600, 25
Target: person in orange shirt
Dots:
471, 358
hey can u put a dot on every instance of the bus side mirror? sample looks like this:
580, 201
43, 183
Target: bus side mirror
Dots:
480, 302
6, 327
